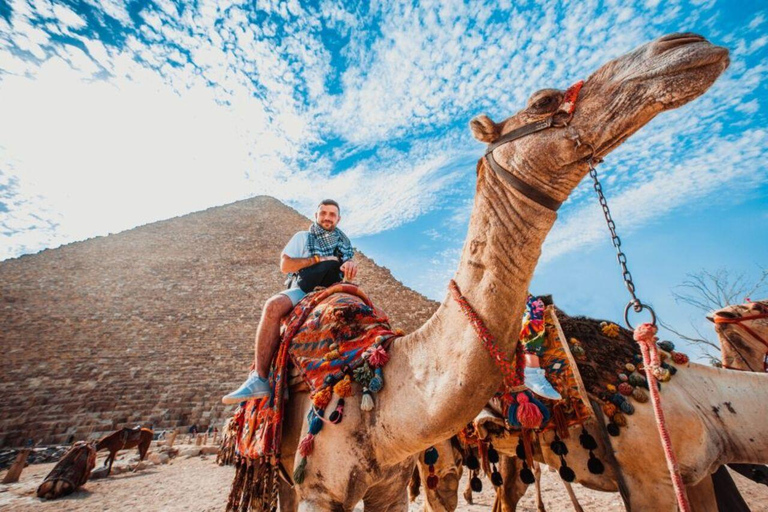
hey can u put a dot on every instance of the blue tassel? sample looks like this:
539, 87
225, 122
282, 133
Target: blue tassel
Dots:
315, 423
377, 382
512, 415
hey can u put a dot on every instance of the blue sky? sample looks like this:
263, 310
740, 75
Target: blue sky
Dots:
116, 114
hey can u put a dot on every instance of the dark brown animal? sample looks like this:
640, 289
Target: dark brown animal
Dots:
125, 439
71, 472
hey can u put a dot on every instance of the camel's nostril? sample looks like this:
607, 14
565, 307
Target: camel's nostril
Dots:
670, 41
681, 35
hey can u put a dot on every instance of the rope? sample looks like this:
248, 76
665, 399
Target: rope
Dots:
513, 371
645, 335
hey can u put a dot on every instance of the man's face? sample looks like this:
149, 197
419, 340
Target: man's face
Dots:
327, 216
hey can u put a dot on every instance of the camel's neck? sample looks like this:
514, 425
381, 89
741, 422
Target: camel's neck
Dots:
440, 376
733, 404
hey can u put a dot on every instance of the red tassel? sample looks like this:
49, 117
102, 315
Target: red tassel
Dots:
432, 481
528, 414
307, 445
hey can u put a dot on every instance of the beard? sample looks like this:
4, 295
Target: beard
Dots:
327, 225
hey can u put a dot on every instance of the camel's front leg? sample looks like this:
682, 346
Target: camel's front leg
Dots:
513, 488
389, 494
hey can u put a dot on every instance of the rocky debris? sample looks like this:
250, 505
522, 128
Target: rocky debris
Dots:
152, 325
38, 455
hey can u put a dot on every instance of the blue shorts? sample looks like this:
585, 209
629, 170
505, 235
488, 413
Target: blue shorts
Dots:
295, 294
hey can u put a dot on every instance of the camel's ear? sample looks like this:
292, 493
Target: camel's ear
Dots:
484, 129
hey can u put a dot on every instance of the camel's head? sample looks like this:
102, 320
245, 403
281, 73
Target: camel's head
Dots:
616, 101
743, 332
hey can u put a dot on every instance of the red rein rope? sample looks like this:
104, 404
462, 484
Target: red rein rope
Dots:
645, 335
513, 371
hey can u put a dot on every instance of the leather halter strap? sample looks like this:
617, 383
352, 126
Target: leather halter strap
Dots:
740, 320
567, 106
529, 191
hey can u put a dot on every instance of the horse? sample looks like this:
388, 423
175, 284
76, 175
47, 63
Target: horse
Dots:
124, 439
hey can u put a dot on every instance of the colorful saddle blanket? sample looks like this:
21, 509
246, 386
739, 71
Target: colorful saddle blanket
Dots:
562, 372
329, 334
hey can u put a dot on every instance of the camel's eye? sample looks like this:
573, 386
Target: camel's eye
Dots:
545, 101
726, 314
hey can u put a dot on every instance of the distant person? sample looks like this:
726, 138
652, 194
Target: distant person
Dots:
317, 257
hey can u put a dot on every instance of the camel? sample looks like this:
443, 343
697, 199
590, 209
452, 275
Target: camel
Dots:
440, 376
743, 333
714, 416
124, 439
741, 350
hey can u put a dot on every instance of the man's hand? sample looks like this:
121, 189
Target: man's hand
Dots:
350, 270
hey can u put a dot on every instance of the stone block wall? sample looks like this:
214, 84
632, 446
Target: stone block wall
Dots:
152, 325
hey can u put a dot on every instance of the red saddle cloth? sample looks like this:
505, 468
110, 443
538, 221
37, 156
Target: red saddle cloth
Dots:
326, 336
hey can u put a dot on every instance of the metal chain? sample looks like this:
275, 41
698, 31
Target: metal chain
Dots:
635, 303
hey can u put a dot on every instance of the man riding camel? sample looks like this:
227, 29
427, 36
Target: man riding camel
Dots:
318, 256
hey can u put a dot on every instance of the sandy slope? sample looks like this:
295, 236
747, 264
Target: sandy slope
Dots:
198, 484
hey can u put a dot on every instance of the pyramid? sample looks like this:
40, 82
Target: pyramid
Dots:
152, 325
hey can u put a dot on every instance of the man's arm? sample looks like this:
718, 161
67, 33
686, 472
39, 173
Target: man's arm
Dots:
289, 265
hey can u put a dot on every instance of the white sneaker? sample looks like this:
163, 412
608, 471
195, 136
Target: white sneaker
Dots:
536, 381
253, 387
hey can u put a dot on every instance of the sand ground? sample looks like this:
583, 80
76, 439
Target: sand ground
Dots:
199, 484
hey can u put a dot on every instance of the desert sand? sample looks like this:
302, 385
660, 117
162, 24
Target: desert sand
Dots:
199, 484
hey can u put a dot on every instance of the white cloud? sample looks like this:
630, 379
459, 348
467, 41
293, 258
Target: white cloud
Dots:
204, 104
731, 166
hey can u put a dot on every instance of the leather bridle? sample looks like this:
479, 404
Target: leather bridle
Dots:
739, 322
556, 120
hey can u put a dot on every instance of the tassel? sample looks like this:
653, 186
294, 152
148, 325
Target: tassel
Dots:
558, 447
300, 471
587, 441
493, 455
366, 403
472, 463
431, 456
343, 388
322, 397
594, 465
526, 475
377, 382
378, 357
307, 445
528, 414
566, 473
432, 479
496, 478
337, 415
315, 421
475, 484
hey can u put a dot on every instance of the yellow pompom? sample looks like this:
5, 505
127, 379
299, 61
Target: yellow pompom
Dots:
343, 388
322, 398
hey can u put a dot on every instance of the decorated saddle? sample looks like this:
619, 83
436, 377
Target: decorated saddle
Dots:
587, 361
335, 338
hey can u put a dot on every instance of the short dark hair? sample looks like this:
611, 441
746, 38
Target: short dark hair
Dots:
329, 202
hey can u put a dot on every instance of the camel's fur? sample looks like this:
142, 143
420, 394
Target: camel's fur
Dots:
439, 377
739, 349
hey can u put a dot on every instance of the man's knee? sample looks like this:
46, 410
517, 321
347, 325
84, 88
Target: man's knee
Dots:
277, 307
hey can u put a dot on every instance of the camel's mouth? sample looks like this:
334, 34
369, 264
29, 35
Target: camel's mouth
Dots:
678, 55
662, 75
